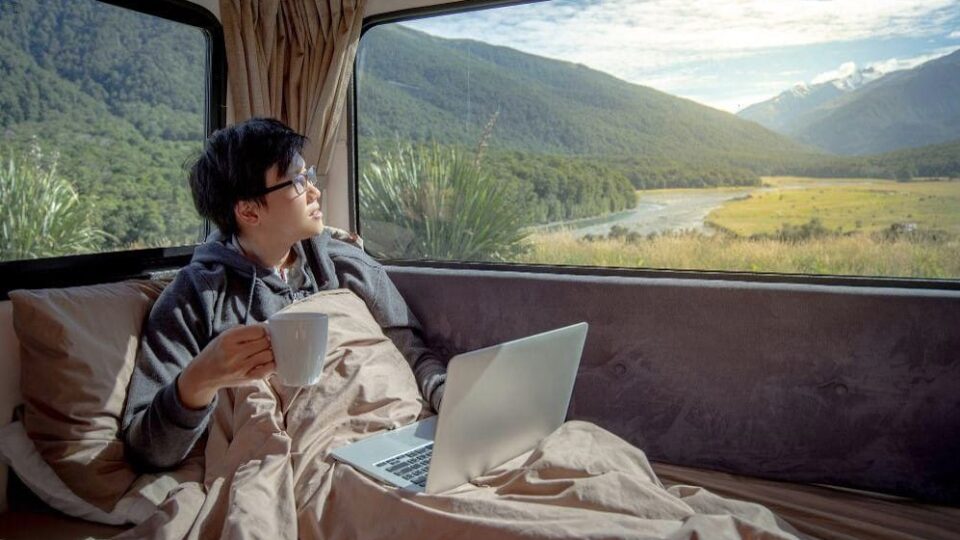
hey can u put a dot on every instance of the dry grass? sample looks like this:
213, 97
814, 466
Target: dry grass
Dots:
859, 255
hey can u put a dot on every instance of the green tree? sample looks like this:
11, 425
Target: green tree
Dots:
905, 172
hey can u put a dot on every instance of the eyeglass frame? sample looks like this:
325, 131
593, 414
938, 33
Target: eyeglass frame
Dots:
299, 182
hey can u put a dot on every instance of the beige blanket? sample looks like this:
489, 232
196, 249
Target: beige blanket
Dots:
268, 474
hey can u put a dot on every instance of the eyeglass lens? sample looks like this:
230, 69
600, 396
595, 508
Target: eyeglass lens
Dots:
310, 177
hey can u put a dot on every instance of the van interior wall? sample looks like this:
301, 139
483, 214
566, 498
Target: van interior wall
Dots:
213, 6
379, 7
849, 386
373, 7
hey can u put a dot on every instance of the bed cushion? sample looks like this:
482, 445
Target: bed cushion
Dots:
78, 347
825, 512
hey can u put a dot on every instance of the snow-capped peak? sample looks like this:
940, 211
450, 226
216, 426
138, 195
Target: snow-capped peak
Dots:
857, 79
800, 89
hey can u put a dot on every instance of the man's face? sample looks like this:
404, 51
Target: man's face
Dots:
290, 216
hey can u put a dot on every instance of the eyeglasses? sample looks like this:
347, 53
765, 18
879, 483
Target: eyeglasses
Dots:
299, 182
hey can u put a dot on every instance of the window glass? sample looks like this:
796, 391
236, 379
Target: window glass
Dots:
787, 137
100, 107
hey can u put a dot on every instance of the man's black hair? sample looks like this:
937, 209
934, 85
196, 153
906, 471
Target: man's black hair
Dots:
233, 167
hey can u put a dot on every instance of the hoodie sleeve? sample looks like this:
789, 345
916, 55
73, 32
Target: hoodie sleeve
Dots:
368, 280
158, 429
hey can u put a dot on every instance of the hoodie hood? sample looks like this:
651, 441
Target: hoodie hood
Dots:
224, 268
215, 251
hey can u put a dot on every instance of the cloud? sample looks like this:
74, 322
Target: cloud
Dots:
845, 70
895, 64
882, 66
671, 45
954, 35
658, 33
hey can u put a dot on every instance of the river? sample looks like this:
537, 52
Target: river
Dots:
674, 210
678, 210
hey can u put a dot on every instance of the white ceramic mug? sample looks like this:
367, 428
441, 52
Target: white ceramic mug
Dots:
299, 342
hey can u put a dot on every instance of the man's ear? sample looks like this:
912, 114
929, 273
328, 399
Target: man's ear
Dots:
247, 213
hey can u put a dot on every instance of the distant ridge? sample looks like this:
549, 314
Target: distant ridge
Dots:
903, 109
420, 87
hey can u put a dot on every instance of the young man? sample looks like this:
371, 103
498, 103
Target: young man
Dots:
203, 333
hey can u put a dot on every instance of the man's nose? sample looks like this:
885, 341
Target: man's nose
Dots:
313, 192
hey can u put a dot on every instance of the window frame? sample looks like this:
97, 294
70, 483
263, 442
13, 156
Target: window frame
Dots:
353, 194
105, 267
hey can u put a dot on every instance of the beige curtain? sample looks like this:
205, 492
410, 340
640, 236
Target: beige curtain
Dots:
292, 60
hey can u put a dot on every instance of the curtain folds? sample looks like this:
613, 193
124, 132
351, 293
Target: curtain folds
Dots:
292, 60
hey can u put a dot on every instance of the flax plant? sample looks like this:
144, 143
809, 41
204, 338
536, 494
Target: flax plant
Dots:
437, 203
40, 213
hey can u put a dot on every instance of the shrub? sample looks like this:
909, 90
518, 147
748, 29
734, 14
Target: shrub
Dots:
40, 212
437, 203
909, 232
811, 230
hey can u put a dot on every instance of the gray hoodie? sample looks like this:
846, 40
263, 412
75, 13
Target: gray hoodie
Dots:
219, 289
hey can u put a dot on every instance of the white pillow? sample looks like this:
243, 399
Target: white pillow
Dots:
18, 451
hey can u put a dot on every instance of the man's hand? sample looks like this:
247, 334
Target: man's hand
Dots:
437, 397
238, 355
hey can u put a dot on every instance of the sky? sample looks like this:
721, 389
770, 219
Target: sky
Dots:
727, 54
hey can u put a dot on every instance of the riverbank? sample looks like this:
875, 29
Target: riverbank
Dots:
657, 211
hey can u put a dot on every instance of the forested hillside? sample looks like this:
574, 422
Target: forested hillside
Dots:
938, 160
424, 88
116, 99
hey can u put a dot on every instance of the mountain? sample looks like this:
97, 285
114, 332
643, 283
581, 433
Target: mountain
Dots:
780, 113
421, 87
905, 109
902, 109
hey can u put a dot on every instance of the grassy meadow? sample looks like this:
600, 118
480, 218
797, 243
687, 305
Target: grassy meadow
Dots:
844, 205
855, 234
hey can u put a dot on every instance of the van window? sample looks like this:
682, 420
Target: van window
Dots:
100, 106
749, 137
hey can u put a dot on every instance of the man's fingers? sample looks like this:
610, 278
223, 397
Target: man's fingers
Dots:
247, 332
261, 357
263, 370
250, 348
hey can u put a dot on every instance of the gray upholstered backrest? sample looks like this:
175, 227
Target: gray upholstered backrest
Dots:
850, 386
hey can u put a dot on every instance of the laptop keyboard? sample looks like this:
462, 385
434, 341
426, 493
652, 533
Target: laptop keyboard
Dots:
411, 466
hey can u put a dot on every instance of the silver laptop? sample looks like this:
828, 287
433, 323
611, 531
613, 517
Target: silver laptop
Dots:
499, 403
